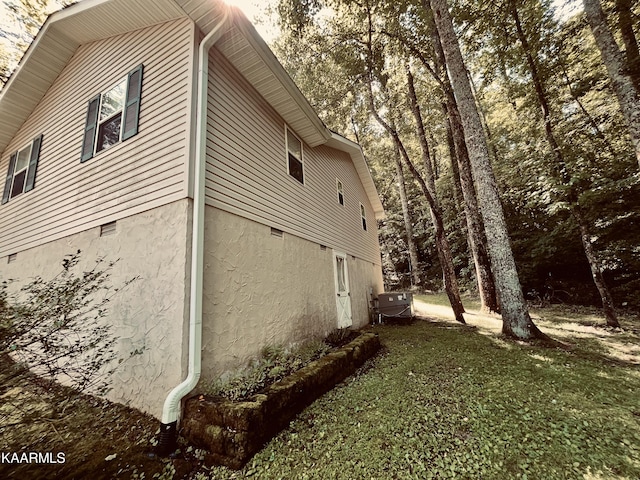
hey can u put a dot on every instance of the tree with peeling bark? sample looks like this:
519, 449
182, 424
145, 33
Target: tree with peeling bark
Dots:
621, 80
515, 315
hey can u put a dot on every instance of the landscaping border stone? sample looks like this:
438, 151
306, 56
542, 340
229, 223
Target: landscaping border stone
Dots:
234, 431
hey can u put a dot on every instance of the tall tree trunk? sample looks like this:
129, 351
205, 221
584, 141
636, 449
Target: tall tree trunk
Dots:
628, 97
446, 262
585, 112
516, 321
625, 23
455, 170
434, 157
561, 173
559, 166
408, 226
441, 238
596, 271
475, 227
489, 301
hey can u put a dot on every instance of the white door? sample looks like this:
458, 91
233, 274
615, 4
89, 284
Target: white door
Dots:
343, 296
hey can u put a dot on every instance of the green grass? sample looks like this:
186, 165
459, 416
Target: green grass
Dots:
444, 401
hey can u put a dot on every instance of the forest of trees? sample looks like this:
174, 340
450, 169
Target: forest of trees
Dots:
503, 137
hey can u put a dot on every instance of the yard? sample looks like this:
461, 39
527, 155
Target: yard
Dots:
443, 401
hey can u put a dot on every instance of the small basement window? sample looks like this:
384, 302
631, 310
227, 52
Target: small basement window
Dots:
295, 164
363, 214
276, 232
340, 192
12, 258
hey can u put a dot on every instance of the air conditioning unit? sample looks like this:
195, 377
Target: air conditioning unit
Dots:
395, 305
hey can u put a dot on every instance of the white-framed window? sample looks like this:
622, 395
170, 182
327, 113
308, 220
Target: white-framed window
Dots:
363, 214
112, 116
340, 190
21, 174
20, 171
295, 163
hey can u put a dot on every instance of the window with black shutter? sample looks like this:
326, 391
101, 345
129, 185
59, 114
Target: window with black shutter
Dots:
21, 174
112, 116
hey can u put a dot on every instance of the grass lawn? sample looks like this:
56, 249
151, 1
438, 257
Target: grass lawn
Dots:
452, 401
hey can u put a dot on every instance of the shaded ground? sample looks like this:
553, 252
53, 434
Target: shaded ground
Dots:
443, 401
45, 418
563, 322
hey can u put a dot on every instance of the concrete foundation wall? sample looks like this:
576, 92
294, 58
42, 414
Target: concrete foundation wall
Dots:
151, 312
261, 289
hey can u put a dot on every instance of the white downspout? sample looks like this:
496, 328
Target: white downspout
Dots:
171, 409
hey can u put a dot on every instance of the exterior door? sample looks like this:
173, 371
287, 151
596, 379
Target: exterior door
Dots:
343, 295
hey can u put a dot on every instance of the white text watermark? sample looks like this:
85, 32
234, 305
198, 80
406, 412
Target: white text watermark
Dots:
32, 457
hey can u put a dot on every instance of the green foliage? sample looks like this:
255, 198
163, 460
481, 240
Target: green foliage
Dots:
56, 327
19, 27
329, 59
274, 364
447, 402
599, 171
443, 401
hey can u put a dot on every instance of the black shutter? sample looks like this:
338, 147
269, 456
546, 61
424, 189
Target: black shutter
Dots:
132, 104
90, 129
33, 163
7, 183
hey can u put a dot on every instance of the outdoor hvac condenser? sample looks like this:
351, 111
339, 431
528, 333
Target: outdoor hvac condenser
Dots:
395, 305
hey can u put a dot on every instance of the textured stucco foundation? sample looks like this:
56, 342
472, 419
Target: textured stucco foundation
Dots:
263, 290
151, 312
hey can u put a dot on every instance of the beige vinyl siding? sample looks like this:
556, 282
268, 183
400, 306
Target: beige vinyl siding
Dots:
143, 172
247, 171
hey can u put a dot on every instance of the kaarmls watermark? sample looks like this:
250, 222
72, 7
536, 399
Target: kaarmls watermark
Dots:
32, 457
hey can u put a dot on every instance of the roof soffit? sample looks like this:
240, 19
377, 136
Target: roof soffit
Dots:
57, 41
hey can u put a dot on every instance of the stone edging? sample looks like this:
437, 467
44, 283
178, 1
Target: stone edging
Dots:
234, 431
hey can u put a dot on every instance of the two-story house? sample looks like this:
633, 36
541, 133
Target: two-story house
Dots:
165, 133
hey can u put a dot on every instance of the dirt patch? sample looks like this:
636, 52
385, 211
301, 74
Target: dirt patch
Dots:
71, 435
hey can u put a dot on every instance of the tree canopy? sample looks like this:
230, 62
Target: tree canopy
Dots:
555, 100
559, 143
